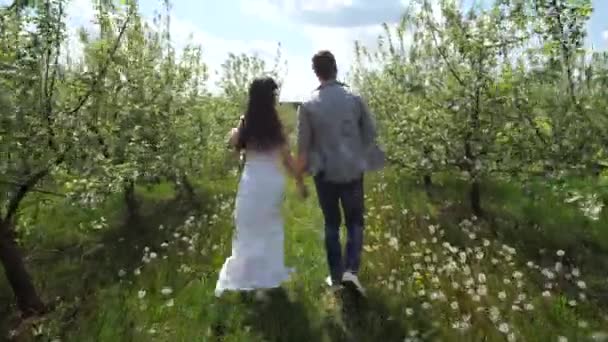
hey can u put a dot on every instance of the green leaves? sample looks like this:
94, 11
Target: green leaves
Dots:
464, 96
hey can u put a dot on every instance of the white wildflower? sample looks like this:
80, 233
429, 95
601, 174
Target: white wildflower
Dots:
494, 314
504, 328
462, 324
548, 274
463, 257
166, 291
394, 243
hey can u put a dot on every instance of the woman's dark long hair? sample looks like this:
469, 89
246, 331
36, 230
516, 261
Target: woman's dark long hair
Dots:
262, 129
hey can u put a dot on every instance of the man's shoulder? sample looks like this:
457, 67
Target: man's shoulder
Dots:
323, 94
310, 100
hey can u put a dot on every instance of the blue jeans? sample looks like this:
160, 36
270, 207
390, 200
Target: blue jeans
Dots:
350, 197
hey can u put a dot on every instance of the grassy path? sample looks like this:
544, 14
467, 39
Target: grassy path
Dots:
432, 273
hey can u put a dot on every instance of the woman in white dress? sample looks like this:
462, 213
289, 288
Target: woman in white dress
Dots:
257, 260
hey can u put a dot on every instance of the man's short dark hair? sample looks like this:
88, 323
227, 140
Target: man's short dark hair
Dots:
324, 65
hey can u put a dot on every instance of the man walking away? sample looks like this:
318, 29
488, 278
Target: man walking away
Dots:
335, 135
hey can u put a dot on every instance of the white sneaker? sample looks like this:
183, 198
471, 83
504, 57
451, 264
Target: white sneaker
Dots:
332, 287
352, 279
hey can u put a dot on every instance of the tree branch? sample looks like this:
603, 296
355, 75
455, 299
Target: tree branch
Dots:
444, 57
104, 69
41, 191
49, 80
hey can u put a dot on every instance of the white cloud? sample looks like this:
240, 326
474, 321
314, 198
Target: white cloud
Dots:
605, 35
332, 13
341, 41
337, 32
81, 14
300, 79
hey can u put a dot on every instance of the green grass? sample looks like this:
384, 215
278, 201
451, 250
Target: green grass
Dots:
411, 293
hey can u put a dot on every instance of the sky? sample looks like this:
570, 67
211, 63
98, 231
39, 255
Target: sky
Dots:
302, 27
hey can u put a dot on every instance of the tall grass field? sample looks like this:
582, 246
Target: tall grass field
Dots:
117, 189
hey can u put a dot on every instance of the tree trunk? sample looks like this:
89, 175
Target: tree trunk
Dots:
188, 188
28, 301
131, 201
475, 199
428, 182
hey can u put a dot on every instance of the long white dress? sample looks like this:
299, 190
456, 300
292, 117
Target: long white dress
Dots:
257, 260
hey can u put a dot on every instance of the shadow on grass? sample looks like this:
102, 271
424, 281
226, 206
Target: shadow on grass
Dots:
368, 319
280, 319
371, 318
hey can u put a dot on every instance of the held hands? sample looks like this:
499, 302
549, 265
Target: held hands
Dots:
302, 190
